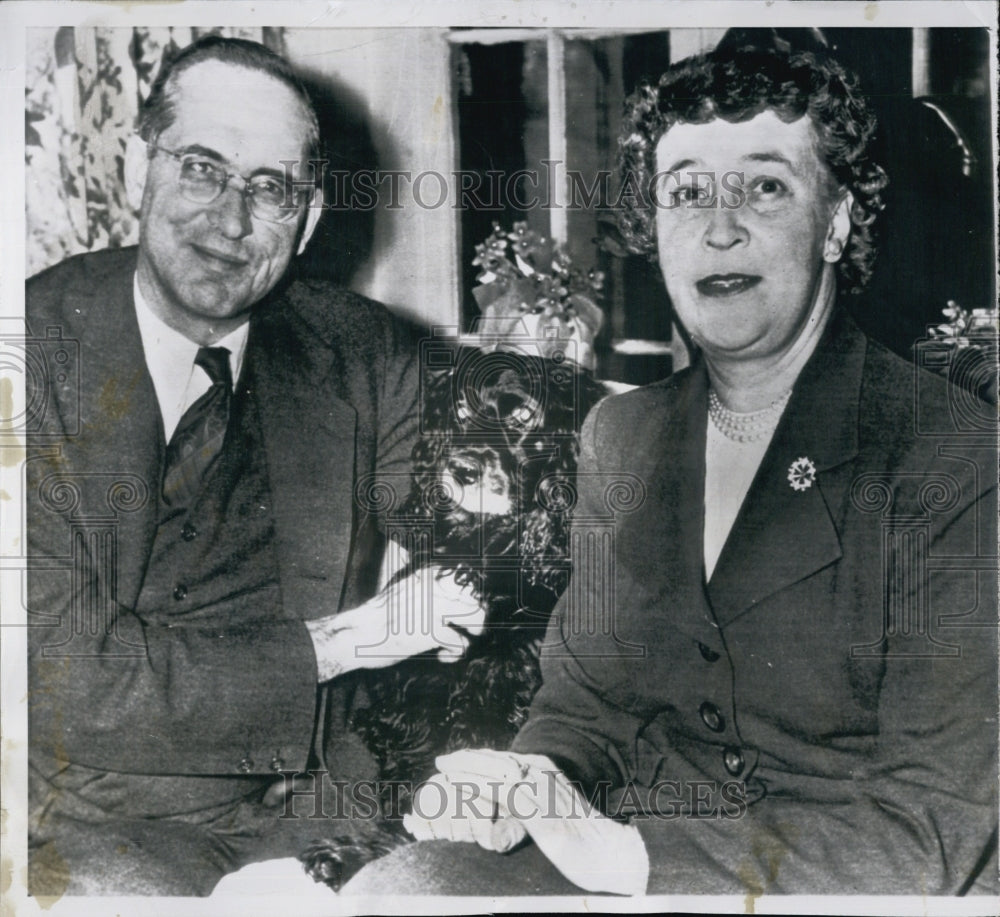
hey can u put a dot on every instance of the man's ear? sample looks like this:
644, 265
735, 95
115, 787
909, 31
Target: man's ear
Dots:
136, 166
314, 210
839, 229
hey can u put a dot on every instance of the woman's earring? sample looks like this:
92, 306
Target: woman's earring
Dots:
834, 249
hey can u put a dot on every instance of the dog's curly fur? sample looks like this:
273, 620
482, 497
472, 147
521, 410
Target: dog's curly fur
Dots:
506, 423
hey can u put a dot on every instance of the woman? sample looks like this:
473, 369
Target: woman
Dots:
781, 698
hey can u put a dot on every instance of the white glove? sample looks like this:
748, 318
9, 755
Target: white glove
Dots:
493, 798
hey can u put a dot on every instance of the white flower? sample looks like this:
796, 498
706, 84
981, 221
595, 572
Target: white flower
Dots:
801, 474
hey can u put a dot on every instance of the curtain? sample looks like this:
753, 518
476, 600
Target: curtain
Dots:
83, 89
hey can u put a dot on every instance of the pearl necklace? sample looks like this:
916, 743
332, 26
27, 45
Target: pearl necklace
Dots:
750, 427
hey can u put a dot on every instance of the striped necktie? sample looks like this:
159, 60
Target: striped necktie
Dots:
197, 441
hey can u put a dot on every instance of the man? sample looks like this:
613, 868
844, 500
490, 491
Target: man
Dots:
200, 562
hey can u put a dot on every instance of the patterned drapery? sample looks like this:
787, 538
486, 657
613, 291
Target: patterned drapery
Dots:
83, 89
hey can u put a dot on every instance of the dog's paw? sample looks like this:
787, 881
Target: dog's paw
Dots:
335, 860
281, 880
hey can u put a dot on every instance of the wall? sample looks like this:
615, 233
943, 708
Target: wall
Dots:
397, 83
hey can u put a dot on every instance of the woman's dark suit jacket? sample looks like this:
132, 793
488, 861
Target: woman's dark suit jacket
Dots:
841, 664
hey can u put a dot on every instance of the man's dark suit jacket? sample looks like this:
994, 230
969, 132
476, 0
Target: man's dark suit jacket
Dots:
841, 663
224, 697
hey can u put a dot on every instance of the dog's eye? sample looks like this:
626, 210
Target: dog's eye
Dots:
465, 473
522, 416
462, 411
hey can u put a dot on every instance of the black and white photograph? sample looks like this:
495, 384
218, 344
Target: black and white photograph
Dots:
499, 457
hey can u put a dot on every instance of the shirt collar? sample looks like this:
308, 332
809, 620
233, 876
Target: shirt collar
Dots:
164, 346
170, 358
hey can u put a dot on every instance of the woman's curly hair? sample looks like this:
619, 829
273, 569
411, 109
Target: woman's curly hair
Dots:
737, 85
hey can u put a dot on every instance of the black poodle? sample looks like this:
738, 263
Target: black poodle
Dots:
491, 492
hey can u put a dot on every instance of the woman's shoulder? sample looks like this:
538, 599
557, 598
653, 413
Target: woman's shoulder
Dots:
627, 402
921, 428
925, 402
625, 420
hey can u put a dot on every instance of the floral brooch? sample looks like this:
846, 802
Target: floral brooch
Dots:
801, 474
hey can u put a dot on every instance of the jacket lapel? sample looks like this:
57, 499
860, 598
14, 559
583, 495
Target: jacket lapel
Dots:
783, 534
119, 446
668, 527
309, 441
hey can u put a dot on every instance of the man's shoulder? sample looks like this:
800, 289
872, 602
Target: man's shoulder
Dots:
343, 319
81, 272
93, 276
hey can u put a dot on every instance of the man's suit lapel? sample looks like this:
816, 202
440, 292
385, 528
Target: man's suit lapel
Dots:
783, 534
309, 441
120, 443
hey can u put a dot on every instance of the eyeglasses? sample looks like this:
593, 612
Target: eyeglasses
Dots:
269, 198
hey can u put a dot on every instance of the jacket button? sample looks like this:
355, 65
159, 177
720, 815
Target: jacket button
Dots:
180, 592
711, 717
709, 655
188, 532
732, 757
277, 764
245, 766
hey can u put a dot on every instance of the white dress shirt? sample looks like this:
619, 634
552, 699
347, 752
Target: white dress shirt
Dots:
730, 468
170, 360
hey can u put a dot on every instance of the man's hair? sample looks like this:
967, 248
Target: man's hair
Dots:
736, 85
157, 112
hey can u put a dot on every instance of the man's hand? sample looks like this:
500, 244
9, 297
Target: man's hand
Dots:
528, 794
423, 611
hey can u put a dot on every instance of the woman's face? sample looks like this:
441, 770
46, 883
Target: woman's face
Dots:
747, 225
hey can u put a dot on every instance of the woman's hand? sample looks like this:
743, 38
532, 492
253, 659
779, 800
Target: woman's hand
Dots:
423, 611
496, 798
